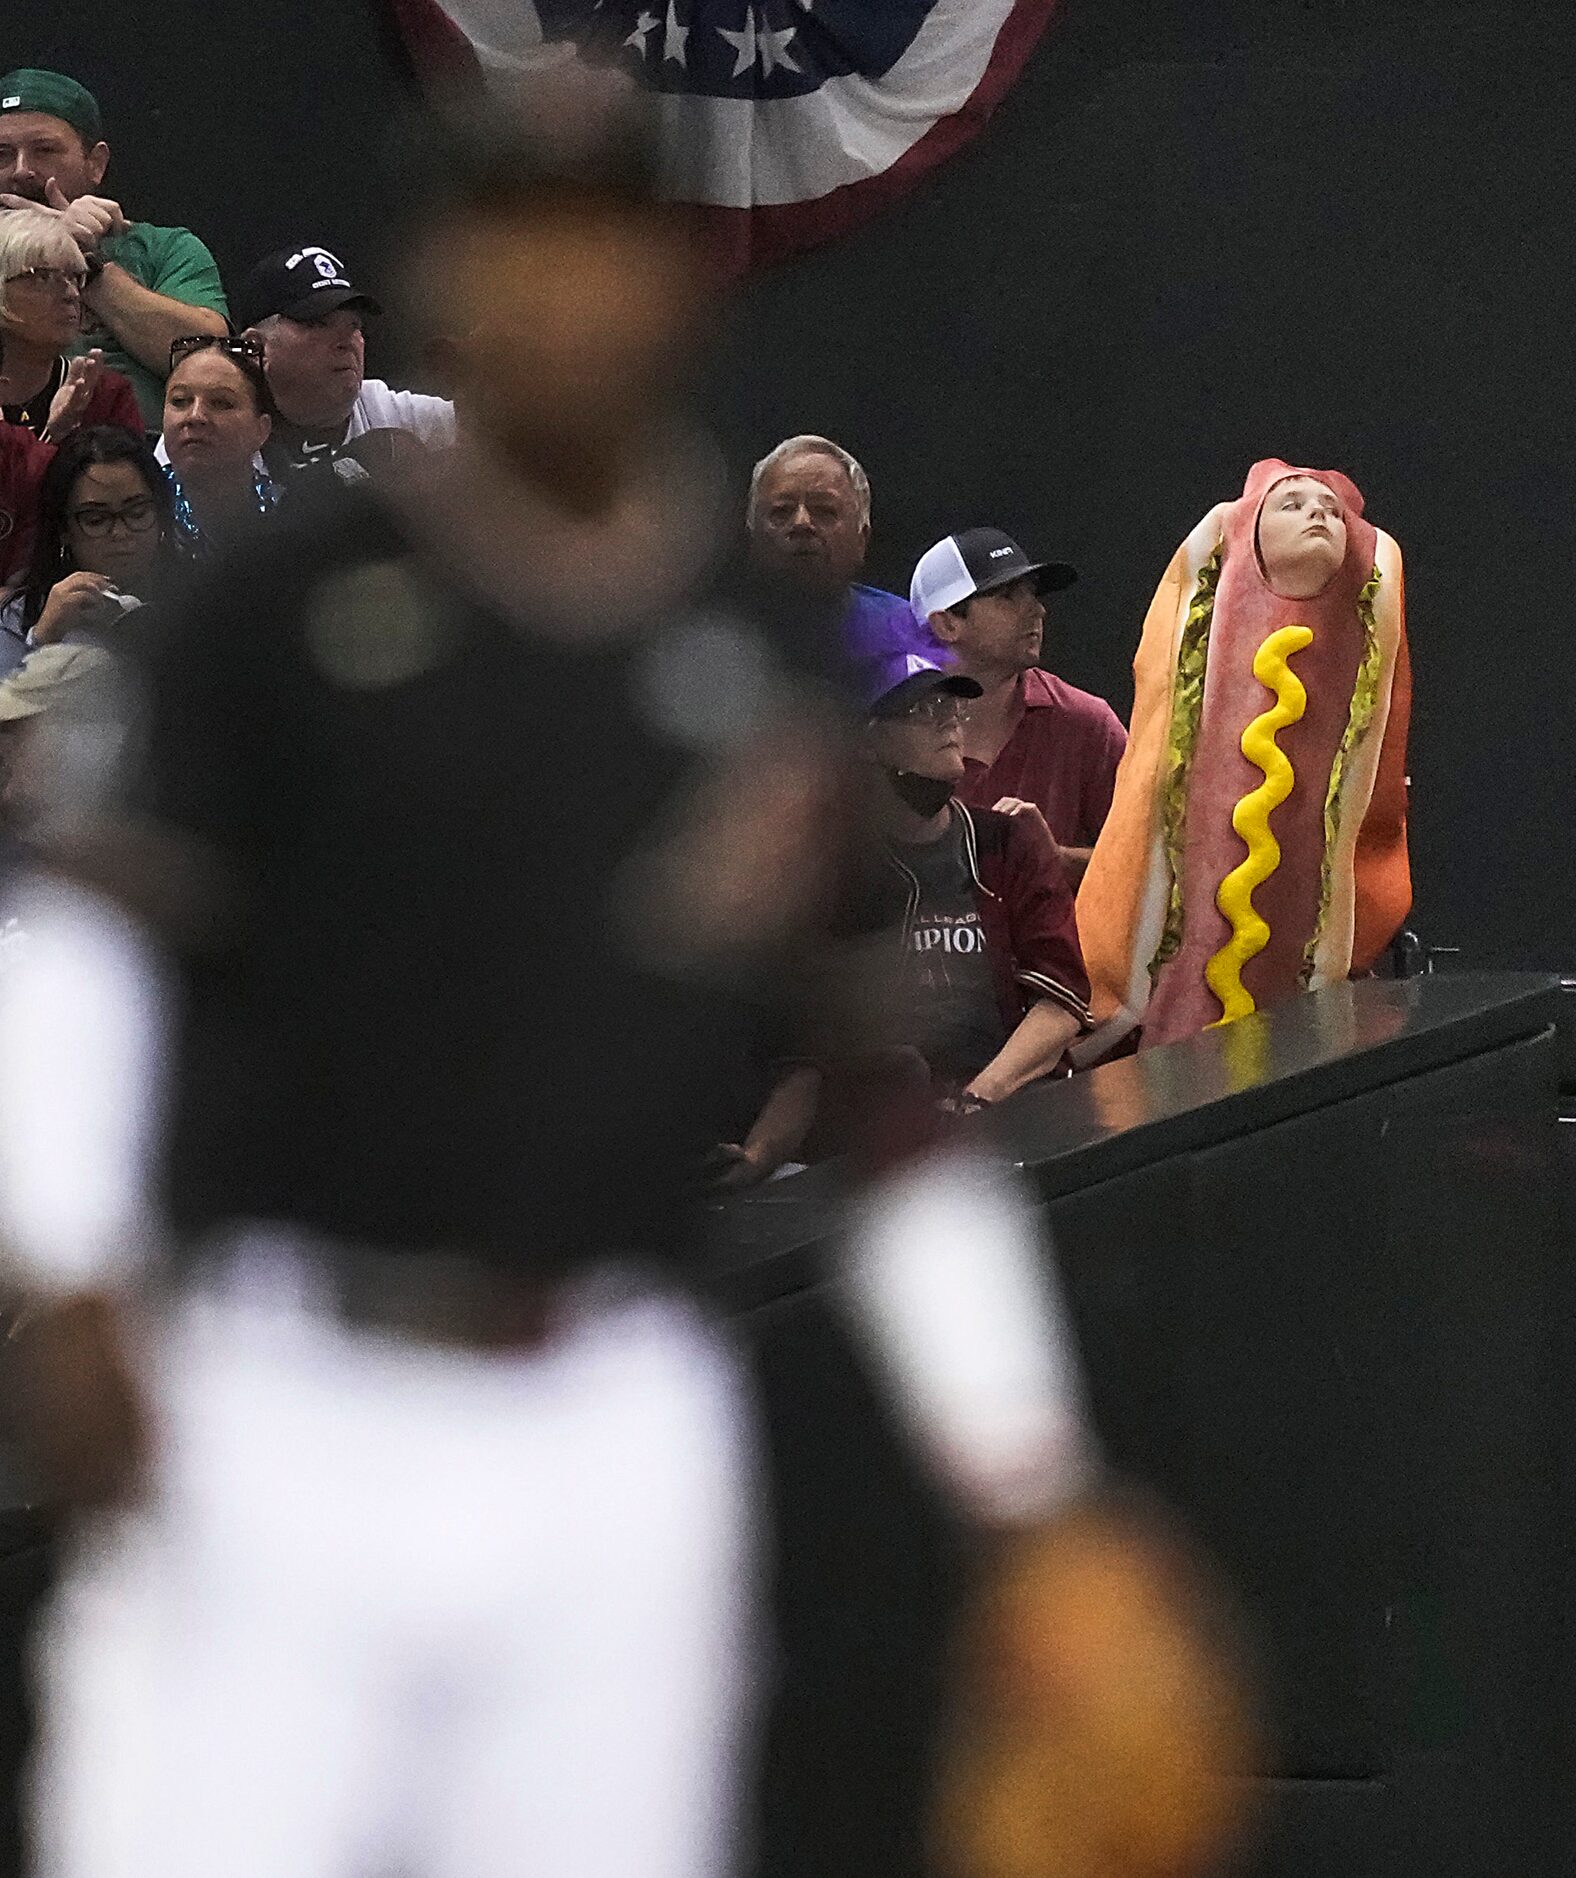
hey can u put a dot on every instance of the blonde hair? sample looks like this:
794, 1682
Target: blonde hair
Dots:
33, 238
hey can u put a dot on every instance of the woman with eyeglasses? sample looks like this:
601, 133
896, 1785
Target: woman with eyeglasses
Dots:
217, 416
41, 280
103, 544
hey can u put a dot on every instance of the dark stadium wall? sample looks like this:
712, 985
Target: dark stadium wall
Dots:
1197, 232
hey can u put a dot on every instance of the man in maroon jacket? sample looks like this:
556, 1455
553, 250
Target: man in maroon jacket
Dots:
1033, 740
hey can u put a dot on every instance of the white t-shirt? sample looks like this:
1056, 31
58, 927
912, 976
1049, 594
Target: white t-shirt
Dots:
378, 407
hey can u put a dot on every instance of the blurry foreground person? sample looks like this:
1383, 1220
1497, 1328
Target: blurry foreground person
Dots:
459, 827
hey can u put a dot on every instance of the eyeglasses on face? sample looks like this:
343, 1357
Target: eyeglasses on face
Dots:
97, 520
940, 709
50, 279
243, 347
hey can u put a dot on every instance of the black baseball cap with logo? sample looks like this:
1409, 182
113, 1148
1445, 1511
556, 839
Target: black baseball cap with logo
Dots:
305, 283
978, 560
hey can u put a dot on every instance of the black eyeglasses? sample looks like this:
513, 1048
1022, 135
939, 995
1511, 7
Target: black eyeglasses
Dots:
243, 347
97, 521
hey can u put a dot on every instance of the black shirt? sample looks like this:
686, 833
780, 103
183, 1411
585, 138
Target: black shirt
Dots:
430, 1013
33, 413
957, 1020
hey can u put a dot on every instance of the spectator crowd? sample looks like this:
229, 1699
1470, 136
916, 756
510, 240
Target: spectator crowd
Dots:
149, 421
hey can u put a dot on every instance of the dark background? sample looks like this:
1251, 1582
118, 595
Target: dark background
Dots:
1198, 232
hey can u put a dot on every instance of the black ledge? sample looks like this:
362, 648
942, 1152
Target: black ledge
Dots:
1324, 1048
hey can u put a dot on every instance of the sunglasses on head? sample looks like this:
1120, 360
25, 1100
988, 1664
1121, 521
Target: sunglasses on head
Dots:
242, 347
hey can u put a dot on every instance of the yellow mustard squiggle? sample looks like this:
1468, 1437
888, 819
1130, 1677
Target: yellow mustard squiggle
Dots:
1251, 819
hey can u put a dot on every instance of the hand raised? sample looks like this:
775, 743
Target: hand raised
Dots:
70, 403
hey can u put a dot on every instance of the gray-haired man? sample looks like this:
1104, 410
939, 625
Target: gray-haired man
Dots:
809, 523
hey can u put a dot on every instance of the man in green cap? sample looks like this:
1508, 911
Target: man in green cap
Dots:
146, 286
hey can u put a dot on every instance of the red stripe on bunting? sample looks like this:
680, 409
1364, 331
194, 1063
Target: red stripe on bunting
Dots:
742, 239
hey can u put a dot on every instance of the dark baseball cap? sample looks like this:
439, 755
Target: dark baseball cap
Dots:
53, 95
305, 283
889, 684
978, 560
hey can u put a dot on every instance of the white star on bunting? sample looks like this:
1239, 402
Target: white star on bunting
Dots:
774, 52
674, 36
760, 43
743, 44
645, 26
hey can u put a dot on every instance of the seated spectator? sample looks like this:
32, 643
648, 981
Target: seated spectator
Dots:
42, 275
1035, 745
146, 285
217, 417
992, 994
103, 544
808, 522
312, 323
996, 980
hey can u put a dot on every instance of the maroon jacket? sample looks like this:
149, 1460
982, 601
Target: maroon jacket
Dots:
23, 460
1026, 912
1062, 756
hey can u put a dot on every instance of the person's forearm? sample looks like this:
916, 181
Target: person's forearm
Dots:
147, 323
786, 1118
946, 1282
82, 1031
1037, 1045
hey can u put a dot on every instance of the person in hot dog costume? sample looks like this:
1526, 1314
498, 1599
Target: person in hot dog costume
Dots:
1256, 844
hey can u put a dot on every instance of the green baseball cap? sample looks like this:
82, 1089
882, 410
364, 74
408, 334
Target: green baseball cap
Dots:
54, 95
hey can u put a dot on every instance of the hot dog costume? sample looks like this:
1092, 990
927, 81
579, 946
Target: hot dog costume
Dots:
1256, 843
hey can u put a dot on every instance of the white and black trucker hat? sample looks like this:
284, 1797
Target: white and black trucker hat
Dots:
977, 560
